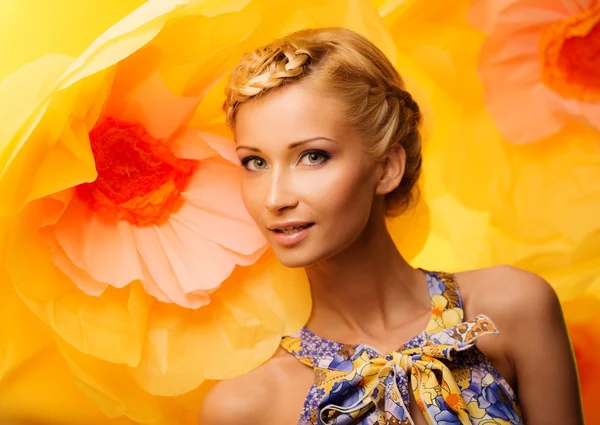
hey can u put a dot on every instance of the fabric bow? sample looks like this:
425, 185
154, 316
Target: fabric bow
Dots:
379, 386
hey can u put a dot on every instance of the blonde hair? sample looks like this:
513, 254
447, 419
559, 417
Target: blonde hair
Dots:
356, 72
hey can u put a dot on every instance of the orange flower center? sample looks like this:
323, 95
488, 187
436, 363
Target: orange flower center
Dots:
139, 179
570, 56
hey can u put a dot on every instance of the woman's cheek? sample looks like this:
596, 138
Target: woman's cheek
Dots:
322, 188
344, 192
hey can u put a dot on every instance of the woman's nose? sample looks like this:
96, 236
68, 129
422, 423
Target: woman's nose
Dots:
281, 195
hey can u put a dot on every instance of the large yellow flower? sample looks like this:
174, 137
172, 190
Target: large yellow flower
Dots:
121, 227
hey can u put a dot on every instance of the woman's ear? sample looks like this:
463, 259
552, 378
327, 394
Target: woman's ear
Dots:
392, 171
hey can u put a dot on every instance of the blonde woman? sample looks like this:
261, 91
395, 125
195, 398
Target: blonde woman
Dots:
329, 141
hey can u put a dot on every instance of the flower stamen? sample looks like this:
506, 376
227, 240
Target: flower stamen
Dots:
139, 178
570, 56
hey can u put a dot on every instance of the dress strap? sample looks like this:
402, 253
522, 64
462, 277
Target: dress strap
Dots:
293, 345
446, 302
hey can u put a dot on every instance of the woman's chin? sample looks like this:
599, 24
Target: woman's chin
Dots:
294, 260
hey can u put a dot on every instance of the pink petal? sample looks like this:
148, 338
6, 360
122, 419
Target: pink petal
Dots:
247, 260
522, 114
518, 102
151, 288
161, 279
181, 265
591, 111
536, 11
216, 211
492, 16
208, 263
189, 145
224, 146
80, 277
572, 107
483, 14
106, 251
574, 7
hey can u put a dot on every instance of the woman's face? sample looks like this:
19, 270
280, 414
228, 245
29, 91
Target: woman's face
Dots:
307, 181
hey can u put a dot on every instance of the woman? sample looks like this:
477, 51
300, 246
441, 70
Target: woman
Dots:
329, 142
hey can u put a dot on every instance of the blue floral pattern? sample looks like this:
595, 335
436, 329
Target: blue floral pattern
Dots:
451, 380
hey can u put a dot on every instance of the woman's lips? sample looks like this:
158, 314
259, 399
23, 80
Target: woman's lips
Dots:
290, 237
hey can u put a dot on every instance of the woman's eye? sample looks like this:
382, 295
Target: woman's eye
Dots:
315, 157
254, 163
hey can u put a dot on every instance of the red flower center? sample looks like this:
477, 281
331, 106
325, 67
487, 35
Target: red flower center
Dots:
139, 179
570, 56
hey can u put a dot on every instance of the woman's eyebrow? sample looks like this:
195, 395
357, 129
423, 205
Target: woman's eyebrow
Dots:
291, 145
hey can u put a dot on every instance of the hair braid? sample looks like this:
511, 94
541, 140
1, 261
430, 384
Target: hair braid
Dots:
265, 69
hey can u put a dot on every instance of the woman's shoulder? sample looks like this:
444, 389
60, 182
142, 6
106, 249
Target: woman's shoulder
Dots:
522, 305
253, 398
507, 293
532, 337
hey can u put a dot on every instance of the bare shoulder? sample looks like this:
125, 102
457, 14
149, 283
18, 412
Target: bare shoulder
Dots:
508, 294
250, 398
532, 337
520, 303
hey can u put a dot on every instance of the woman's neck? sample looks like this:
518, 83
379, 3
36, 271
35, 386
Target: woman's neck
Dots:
367, 290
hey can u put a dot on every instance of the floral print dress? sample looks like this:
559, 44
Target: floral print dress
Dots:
450, 379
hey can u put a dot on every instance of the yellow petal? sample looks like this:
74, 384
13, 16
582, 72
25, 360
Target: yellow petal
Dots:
541, 179
94, 325
113, 391
22, 336
237, 332
33, 371
23, 101
30, 29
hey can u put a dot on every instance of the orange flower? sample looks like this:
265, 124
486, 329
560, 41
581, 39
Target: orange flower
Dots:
118, 188
165, 208
540, 64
